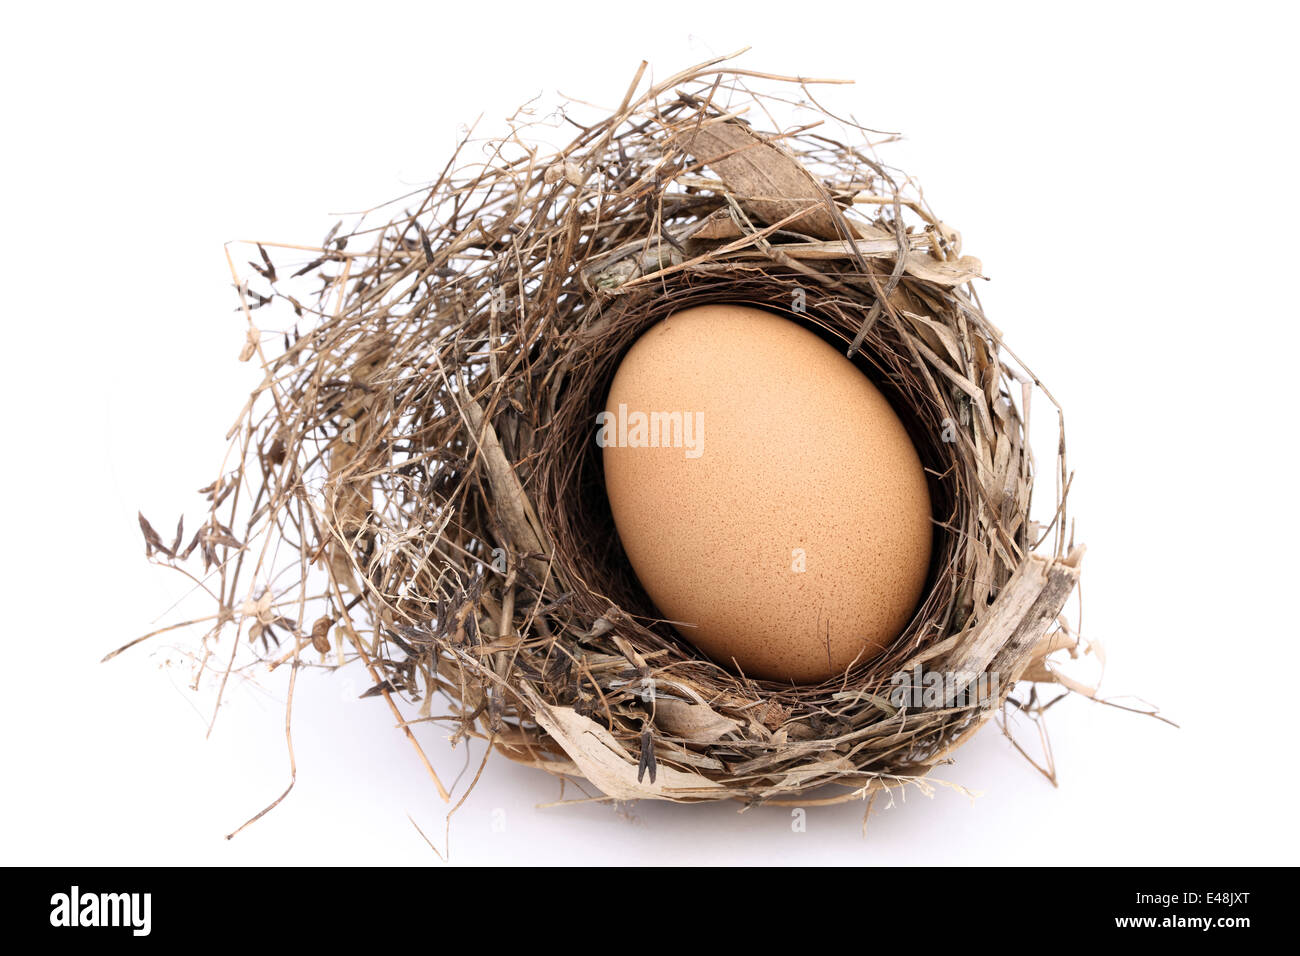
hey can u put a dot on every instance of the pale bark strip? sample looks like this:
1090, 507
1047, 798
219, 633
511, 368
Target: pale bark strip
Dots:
602, 760
1021, 615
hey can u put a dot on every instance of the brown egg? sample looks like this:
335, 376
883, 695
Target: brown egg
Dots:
767, 496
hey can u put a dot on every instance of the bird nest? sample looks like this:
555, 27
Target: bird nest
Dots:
417, 489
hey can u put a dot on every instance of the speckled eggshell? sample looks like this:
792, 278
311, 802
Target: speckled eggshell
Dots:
796, 539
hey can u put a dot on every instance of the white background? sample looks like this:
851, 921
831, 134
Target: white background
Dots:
1125, 172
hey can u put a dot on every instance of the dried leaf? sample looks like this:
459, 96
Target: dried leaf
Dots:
602, 760
946, 274
152, 542
380, 688
719, 225
767, 181
698, 723
309, 267
267, 270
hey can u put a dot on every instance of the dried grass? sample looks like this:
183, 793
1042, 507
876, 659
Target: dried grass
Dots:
416, 486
